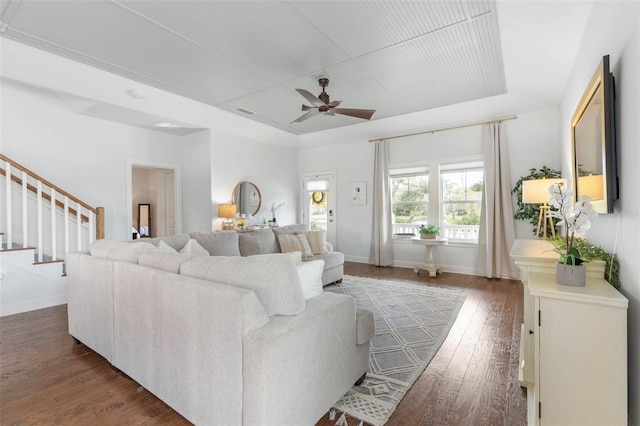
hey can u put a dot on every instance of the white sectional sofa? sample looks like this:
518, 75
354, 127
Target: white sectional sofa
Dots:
265, 241
224, 340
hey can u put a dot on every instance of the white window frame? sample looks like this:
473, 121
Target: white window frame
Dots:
409, 230
433, 169
459, 233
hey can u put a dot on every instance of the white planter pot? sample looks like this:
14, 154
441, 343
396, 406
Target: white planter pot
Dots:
571, 275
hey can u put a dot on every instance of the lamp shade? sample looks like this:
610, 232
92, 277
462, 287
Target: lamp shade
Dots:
536, 191
227, 210
591, 185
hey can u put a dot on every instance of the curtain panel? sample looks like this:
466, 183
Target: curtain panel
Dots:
497, 228
382, 241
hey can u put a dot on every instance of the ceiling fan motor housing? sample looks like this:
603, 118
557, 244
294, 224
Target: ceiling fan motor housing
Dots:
324, 96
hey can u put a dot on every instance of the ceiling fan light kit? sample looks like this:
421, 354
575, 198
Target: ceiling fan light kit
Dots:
323, 105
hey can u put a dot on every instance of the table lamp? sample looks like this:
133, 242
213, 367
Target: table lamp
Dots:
228, 212
591, 185
536, 191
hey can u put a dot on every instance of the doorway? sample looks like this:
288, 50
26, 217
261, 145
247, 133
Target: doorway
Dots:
319, 206
154, 189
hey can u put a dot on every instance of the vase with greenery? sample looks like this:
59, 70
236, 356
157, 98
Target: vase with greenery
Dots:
573, 219
429, 232
531, 212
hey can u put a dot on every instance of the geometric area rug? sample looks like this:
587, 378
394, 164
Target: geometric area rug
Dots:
412, 320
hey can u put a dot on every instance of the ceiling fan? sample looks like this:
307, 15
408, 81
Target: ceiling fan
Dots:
322, 105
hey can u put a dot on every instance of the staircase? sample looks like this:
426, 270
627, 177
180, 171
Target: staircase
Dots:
40, 223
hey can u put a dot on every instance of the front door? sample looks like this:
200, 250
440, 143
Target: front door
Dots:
319, 207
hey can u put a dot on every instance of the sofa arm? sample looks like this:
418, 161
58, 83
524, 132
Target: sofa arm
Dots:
329, 247
182, 339
90, 302
300, 365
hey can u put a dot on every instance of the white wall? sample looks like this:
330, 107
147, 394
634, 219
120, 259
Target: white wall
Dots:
614, 29
89, 157
532, 140
271, 168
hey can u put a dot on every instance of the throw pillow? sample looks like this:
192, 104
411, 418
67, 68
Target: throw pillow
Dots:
317, 241
193, 247
310, 274
166, 247
289, 243
260, 241
297, 256
218, 243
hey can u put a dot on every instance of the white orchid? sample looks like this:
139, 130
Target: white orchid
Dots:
574, 220
274, 208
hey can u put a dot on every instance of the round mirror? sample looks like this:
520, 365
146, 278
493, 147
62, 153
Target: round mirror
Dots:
246, 196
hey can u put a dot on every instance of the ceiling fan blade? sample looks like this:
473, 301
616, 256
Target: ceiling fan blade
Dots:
334, 104
359, 113
313, 100
309, 114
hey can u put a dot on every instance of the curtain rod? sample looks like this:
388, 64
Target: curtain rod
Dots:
478, 123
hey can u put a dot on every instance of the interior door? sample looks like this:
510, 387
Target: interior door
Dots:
319, 207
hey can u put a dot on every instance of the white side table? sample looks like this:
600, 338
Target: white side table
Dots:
429, 244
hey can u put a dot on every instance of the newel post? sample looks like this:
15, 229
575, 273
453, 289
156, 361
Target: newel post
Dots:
99, 223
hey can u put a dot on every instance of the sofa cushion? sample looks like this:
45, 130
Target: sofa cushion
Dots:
331, 260
260, 241
288, 230
317, 241
292, 243
272, 277
310, 274
218, 243
193, 247
164, 261
121, 251
174, 241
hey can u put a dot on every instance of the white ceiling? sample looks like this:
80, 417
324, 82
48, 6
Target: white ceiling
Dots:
396, 57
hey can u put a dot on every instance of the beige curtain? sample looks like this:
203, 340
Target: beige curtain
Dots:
382, 241
497, 229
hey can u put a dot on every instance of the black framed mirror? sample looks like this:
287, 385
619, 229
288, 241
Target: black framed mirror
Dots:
594, 143
144, 220
247, 198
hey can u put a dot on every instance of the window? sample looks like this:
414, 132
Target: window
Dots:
409, 199
450, 197
461, 188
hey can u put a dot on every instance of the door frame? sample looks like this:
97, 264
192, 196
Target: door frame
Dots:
331, 202
177, 178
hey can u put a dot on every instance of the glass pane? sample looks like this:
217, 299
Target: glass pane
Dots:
409, 197
464, 185
318, 211
412, 188
461, 213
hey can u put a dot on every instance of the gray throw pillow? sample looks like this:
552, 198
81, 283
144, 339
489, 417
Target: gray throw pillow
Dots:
260, 241
218, 243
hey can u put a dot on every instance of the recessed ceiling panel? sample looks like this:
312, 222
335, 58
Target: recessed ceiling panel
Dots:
111, 37
270, 38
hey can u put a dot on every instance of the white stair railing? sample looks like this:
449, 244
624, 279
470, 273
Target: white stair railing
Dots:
36, 197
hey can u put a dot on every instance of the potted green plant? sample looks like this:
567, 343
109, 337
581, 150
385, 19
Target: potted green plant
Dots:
569, 269
428, 232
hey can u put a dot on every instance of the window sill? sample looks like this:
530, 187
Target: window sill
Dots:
406, 239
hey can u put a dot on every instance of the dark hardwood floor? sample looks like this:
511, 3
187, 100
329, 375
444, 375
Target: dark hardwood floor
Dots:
472, 380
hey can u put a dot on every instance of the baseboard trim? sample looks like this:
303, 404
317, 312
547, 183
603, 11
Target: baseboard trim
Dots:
410, 265
32, 305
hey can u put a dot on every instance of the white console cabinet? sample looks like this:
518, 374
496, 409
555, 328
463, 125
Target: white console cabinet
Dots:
573, 348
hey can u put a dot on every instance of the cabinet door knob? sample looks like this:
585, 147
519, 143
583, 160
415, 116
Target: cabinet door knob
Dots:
530, 331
